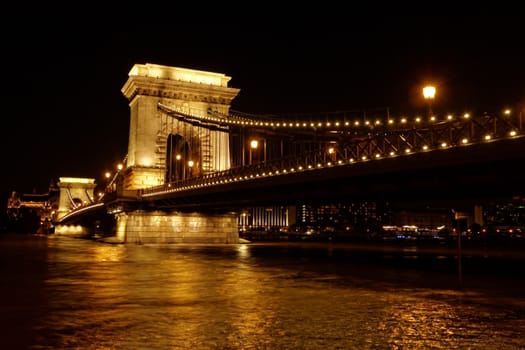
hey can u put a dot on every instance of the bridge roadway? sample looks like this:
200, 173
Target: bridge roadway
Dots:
485, 170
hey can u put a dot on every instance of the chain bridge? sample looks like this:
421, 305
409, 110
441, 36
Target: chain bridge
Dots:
194, 164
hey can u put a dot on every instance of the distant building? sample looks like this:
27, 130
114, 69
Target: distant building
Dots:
32, 212
506, 217
426, 217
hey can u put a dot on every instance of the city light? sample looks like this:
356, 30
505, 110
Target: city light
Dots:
429, 93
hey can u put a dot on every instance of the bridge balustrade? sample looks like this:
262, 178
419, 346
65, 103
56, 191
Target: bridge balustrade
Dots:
380, 141
309, 161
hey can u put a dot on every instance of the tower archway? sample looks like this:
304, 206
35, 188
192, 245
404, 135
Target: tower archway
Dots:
178, 158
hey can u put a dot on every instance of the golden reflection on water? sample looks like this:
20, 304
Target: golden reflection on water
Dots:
105, 253
234, 300
247, 290
435, 321
100, 296
198, 296
426, 324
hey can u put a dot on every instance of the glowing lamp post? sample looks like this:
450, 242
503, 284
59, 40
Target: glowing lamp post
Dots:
331, 154
178, 167
429, 92
190, 167
253, 146
107, 175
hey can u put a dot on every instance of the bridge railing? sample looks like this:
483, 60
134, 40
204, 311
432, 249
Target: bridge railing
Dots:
382, 141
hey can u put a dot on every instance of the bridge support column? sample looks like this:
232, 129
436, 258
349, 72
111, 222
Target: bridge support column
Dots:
144, 227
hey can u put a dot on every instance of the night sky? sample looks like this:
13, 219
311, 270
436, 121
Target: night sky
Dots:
64, 113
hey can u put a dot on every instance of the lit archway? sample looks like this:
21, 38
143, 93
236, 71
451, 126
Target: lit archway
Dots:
177, 155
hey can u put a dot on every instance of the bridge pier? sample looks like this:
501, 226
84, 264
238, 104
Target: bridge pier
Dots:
158, 227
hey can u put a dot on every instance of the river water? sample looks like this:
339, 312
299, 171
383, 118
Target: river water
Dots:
59, 292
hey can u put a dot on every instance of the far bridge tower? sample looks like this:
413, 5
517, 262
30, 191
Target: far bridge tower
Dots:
74, 193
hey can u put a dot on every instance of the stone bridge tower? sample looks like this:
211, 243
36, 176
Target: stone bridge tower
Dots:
74, 192
166, 147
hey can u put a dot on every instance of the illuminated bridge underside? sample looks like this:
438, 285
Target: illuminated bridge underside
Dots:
85, 216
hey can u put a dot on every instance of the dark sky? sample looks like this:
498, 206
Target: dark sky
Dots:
63, 113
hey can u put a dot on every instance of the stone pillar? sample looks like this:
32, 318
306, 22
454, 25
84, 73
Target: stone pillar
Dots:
157, 227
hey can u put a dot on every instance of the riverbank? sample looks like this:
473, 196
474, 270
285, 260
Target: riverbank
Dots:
492, 247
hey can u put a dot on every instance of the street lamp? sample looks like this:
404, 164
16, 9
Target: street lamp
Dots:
178, 167
190, 166
331, 153
253, 146
107, 175
429, 92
